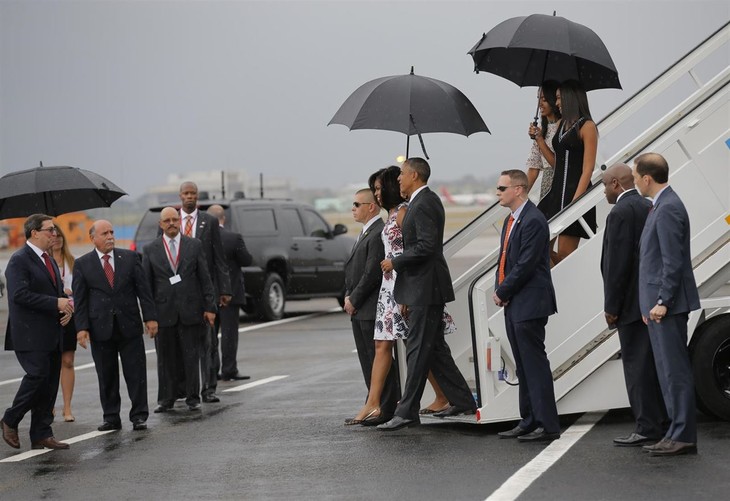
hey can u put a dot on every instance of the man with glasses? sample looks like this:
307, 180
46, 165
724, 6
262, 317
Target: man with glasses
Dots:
524, 287
38, 311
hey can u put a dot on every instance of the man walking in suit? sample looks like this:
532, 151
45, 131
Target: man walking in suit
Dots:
524, 287
204, 227
363, 277
667, 293
107, 283
184, 299
422, 288
620, 271
37, 311
236, 255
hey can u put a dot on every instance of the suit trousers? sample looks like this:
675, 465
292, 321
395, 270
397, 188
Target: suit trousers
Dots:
674, 370
427, 350
229, 341
209, 361
536, 391
37, 392
642, 384
179, 346
363, 332
134, 367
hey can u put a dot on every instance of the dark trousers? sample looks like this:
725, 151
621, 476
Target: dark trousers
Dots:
427, 350
134, 368
537, 394
179, 346
642, 384
674, 370
363, 331
37, 392
209, 359
229, 341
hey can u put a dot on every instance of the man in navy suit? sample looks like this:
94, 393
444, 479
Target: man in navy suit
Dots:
524, 288
667, 293
620, 271
422, 288
107, 283
38, 310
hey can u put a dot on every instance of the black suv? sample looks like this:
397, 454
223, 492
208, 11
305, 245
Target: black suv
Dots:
296, 254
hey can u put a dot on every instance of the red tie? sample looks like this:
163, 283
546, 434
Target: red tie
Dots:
503, 258
188, 226
108, 270
49, 266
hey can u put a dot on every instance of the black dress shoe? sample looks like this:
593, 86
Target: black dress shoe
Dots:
195, 406
138, 425
211, 399
674, 448
634, 440
236, 377
49, 443
108, 426
649, 448
513, 433
163, 408
397, 423
453, 410
539, 435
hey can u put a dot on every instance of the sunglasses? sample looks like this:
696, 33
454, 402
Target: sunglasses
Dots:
358, 204
52, 229
504, 188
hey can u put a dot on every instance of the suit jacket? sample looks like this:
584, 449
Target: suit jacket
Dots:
236, 255
527, 285
363, 275
665, 263
423, 275
207, 230
97, 304
186, 301
620, 257
33, 317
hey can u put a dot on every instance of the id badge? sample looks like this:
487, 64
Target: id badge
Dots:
175, 279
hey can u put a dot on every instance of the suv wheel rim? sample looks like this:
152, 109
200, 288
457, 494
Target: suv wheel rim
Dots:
276, 297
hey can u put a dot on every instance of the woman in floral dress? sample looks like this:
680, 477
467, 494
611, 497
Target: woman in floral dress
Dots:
542, 155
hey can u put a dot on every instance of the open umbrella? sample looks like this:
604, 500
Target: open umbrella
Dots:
411, 104
54, 191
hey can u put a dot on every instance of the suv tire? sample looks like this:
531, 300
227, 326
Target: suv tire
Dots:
272, 300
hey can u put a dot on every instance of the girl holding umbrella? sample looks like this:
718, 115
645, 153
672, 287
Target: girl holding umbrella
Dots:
542, 155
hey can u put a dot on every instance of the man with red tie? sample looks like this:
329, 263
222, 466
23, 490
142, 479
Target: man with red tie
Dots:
107, 283
524, 288
38, 310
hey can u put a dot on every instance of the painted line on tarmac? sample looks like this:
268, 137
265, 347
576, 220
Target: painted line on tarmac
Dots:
255, 383
19, 379
525, 476
37, 452
288, 320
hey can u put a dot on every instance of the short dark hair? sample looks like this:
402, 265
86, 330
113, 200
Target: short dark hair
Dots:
653, 165
518, 177
389, 187
418, 164
34, 222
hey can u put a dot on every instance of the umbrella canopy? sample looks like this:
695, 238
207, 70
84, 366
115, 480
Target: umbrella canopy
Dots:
54, 191
528, 50
411, 104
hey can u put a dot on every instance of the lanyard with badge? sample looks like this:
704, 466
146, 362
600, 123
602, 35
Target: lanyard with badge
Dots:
175, 279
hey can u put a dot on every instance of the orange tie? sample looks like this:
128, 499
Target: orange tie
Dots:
188, 226
503, 258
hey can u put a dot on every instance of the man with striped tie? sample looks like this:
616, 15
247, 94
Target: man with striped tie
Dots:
106, 285
524, 288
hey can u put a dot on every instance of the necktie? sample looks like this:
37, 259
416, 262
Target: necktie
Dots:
173, 255
49, 266
188, 226
503, 258
108, 270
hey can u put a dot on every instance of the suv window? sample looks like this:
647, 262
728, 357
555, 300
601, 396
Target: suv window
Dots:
256, 221
291, 222
316, 226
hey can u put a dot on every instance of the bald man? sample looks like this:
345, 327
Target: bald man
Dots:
107, 282
620, 271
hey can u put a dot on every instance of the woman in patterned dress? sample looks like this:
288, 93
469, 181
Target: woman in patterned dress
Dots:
542, 155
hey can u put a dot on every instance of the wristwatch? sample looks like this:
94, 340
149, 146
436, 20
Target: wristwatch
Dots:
660, 302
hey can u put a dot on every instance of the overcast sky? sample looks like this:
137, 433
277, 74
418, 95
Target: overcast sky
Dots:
135, 90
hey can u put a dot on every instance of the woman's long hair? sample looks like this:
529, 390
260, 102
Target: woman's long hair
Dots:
549, 88
68, 258
573, 103
389, 186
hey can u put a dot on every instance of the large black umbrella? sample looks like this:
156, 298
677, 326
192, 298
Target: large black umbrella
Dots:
528, 50
54, 191
411, 104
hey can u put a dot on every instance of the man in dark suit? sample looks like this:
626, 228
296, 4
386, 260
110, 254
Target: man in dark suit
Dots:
363, 277
107, 283
423, 287
204, 227
37, 311
667, 293
236, 255
184, 299
524, 287
620, 271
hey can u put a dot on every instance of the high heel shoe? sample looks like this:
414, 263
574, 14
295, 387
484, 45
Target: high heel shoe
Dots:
69, 418
373, 420
354, 421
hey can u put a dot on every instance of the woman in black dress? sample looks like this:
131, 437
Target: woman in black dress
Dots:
575, 144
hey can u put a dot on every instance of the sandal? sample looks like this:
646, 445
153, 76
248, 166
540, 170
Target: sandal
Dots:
354, 421
426, 411
69, 418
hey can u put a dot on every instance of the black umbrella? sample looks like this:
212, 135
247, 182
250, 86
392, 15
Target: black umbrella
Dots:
411, 104
54, 191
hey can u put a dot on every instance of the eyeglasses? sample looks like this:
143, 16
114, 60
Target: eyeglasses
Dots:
358, 204
52, 229
504, 188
